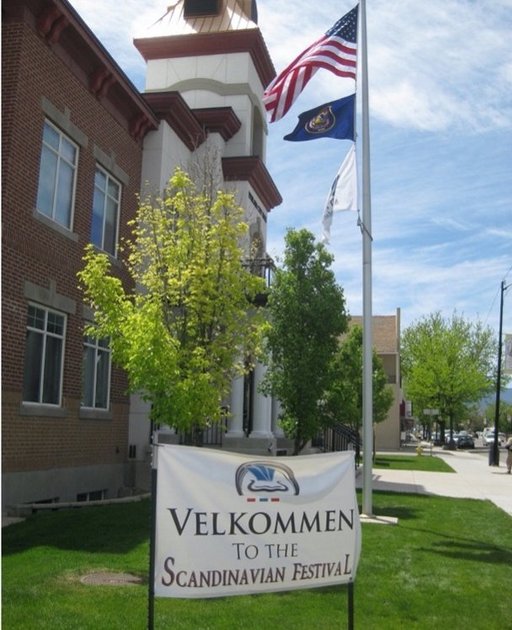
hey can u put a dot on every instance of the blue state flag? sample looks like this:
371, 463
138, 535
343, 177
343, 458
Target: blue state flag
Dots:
332, 120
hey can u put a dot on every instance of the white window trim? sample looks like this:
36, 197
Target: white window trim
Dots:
109, 175
45, 333
75, 174
106, 349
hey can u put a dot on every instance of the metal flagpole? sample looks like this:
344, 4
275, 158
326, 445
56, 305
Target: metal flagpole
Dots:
367, 275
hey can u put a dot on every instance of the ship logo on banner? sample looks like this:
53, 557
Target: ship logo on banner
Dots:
263, 477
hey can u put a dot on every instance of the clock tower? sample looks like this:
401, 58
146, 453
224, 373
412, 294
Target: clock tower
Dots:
207, 68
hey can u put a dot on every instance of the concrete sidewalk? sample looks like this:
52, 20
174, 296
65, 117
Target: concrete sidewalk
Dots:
473, 478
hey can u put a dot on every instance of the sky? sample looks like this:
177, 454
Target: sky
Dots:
440, 102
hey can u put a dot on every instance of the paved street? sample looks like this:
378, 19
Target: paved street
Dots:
473, 478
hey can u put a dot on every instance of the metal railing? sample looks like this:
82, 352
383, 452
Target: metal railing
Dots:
211, 435
339, 438
261, 266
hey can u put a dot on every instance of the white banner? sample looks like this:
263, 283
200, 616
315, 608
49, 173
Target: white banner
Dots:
507, 367
230, 524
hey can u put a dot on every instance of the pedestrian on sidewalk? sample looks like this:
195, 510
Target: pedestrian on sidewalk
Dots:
508, 446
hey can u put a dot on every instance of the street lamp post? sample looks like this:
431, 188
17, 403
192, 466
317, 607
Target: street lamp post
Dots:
494, 452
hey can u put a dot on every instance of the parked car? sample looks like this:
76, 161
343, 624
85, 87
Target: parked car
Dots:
436, 438
447, 437
488, 438
465, 441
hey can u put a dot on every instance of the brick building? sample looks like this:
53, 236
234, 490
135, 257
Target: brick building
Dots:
73, 127
78, 140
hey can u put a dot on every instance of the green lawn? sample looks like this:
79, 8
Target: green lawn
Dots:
412, 462
447, 563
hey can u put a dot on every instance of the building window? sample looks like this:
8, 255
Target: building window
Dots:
105, 211
200, 8
96, 373
44, 356
57, 176
95, 495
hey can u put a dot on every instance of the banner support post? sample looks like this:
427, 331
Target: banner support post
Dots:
152, 537
350, 621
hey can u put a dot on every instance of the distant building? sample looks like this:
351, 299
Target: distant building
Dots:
386, 341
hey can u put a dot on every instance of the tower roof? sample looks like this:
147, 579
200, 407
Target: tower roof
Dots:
185, 17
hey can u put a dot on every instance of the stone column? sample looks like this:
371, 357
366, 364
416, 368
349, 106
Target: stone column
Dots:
235, 439
236, 417
262, 418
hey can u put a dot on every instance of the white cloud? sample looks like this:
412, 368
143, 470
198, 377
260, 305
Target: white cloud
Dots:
429, 58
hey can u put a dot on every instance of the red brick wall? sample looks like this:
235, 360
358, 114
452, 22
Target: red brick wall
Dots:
32, 251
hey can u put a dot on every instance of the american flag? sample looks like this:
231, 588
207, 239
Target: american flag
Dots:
335, 51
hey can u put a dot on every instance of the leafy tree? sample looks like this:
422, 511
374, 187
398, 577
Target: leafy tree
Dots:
447, 364
474, 418
183, 334
505, 417
307, 314
344, 400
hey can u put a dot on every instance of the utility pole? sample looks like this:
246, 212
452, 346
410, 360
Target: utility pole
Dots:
494, 452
